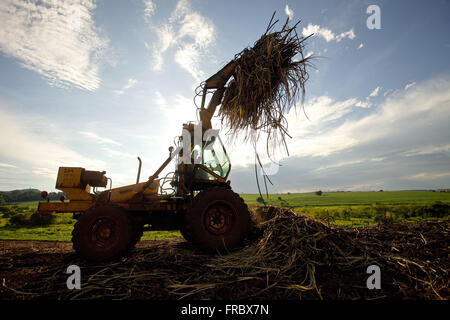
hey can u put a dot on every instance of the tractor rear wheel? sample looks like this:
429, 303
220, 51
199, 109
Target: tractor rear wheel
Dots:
218, 219
103, 233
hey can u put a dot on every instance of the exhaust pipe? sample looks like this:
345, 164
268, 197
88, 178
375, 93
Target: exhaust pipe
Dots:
139, 170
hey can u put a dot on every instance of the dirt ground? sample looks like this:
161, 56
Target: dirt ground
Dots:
23, 262
289, 257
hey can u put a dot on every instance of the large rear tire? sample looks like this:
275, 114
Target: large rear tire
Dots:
103, 233
218, 219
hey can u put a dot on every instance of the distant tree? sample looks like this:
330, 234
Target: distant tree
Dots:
319, 193
279, 198
381, 190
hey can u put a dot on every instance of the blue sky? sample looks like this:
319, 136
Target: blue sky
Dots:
97, 83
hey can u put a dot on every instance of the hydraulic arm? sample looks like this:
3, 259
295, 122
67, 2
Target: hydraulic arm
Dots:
217, 81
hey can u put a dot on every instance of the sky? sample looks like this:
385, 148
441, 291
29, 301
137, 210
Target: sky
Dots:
94, 84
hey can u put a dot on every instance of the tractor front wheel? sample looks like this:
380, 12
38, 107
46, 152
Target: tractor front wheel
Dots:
103, 233
218, 219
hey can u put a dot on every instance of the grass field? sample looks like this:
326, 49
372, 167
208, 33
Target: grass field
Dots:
340, 208
328, 199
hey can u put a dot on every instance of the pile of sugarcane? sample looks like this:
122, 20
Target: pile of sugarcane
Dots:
290, 257
268, 80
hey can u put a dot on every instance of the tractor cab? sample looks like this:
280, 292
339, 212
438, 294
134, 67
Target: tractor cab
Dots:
206, 164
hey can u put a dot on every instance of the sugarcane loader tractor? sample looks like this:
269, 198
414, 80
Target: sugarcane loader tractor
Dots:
201, 203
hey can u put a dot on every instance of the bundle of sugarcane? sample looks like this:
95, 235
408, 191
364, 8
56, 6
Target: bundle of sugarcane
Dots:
267, 81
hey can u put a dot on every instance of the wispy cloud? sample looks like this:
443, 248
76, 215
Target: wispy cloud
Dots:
188, 58
326, 33
191, 32
160, 100
340, 164
98, 139
385, 147
321, 112
392, 126
363, 104
409, 85
289, 12
166, 38
130, 83
149, 9
428, 176
117, 153
399, 118
45, 172
55, 38
428, 149
5, 165
349, 34
30, 148
375, 92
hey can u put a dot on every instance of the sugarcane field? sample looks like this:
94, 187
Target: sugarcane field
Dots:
225, 159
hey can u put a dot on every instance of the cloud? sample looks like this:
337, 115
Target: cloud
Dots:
375, 92
190, 32
130, 83
326, 33
57, 39
198, 28
398, 117
321, 112
166, 37
100, 140
341, 164
177, 110
409, 85
160, 100
289, 12
149, 9
428, 149
349, 34
363, 104
343, 148
188, 58
20, 145
45, 172
5, 165
428, 176
117, 153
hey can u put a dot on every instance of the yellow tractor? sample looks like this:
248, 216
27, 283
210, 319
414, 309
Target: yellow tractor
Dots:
201, 203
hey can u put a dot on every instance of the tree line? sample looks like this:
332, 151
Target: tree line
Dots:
26, 195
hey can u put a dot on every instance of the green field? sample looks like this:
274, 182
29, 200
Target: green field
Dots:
328, 199
17, 220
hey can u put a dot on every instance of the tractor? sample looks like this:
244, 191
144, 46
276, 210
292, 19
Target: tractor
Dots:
201, 203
